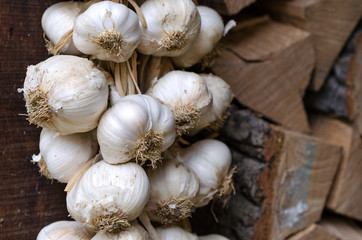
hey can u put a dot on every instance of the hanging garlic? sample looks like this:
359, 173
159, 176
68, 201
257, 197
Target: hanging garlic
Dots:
210, 160
212, 28
172, 26
108, 196
213, 237
65, 93
175, 233
186, 94
58, 23
64, 230
134, 232
173, 189
221, 100
139, 127
107, 31
61, 156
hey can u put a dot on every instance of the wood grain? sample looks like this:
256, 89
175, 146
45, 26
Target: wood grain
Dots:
227, 7
28, 201
314, 232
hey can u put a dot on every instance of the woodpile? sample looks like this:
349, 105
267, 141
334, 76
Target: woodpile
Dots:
294, 130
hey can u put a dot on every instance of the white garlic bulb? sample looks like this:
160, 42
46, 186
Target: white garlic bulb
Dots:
221, 100
210, 160
186, 94
64, 230
173, 189
134, 232
213, 237
107, 31
65, 93
108, 196
139, 127
212, 28
175, 233
58, 23
172, 26
64, 155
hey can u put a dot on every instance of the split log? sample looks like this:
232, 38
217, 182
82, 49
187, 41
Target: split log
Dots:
282, 180
341, 227
268, 66
227, 7
329, 21
346, 194
314, 232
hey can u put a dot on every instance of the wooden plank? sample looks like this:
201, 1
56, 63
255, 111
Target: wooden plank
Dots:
227, 7
282, 180
341, 227
268, 66
329, 21
28, 202
346, 194
314, 232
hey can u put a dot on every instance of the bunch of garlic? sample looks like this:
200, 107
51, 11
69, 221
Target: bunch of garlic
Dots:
67, 94
61, 156
64, 230
172, 26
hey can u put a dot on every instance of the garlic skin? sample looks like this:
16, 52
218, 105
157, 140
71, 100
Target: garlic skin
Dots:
172, 26
64, 230
58, 22
186, 94
222, 97
213, 237
175, 233
173, 189
139, 127
210, 160
107, 31
64, 155
114, 96
212, 28
108, 196
134, 232
65, 93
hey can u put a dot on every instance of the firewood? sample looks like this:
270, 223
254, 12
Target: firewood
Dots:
227, 7
346, 193
314, 232
329, 21
281, 184
268, 66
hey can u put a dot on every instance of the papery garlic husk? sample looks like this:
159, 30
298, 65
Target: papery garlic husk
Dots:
61, 156
108, 197
65, 93
213, 237
221, 100
134, 232
137, 127
173, 189
114, 96
212, 28
58, 24
172, 26
175, 233
108, 31
64, 230
210, 160
186, 94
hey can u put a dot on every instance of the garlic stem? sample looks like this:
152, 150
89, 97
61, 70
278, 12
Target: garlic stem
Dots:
139, 13
145, 220
79, 174
61, 42
124, 77
186, 224
133, 77
117, 79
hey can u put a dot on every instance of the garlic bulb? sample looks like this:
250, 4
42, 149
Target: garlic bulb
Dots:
173, 189
58, 23
172, 26
175, 233
65, 93
134, 232
64, 230
210, 160
114, 96
212, 28
221, 100
108, 196
213, 237
107, 31
186, 94
139, 127
62, 156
